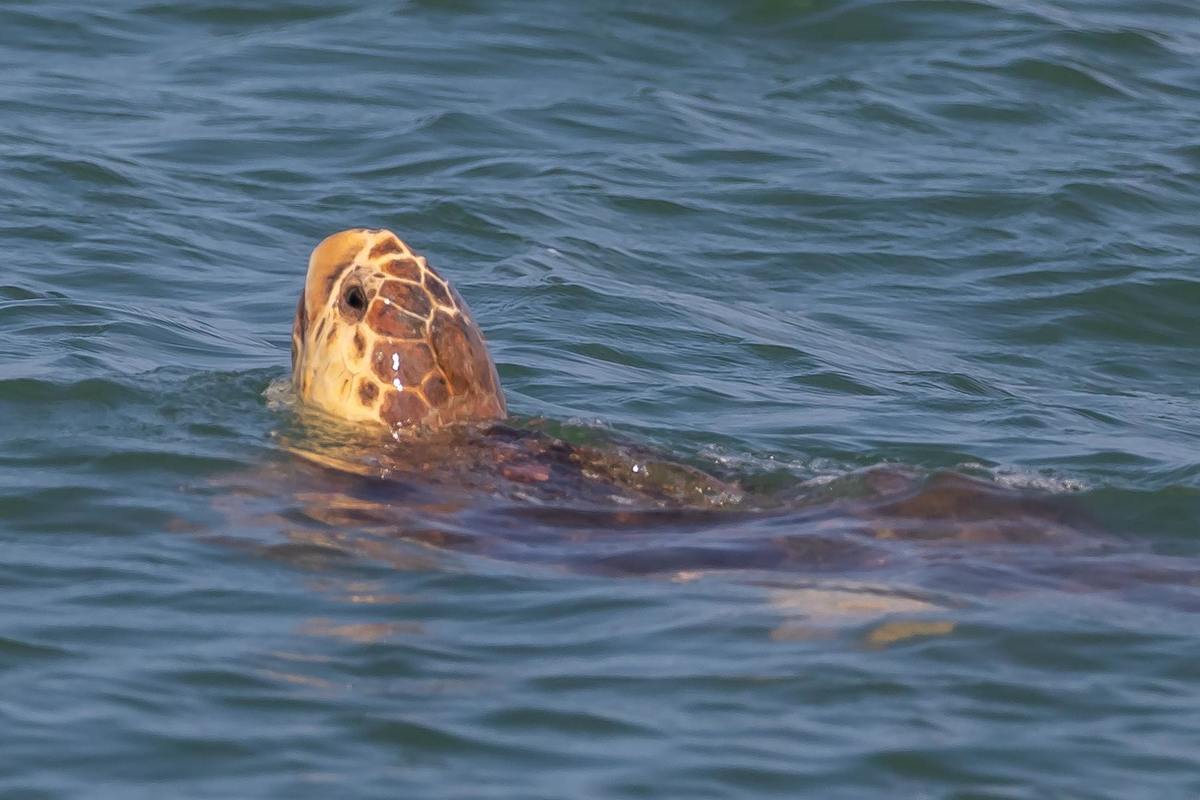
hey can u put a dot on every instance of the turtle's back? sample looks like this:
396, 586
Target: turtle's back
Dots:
501, 461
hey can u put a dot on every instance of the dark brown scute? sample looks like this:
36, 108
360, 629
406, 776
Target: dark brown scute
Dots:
390, 321
412, 362
435, 390
438, 290
402, 408
367, 392
405, 268
388, 245
453, 352
461, 354
415, 364
410, 298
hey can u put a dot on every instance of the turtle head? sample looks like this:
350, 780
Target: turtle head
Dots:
381, 338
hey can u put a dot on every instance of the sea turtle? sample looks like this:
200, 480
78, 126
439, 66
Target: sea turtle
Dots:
385, 344
382, 341
407, 428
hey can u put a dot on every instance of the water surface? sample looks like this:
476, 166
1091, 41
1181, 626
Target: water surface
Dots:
793, 239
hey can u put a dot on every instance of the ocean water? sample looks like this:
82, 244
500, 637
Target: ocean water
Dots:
791, 239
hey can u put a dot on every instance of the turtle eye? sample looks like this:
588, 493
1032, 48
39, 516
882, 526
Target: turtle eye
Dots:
354, 301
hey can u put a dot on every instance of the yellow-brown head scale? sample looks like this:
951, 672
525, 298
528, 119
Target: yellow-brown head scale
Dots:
380, 337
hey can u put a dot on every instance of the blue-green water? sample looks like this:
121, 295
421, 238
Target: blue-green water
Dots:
793, 239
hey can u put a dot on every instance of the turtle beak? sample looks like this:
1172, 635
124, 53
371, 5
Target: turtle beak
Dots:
299, 329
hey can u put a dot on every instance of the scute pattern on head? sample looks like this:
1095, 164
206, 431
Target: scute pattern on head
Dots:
380, 337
